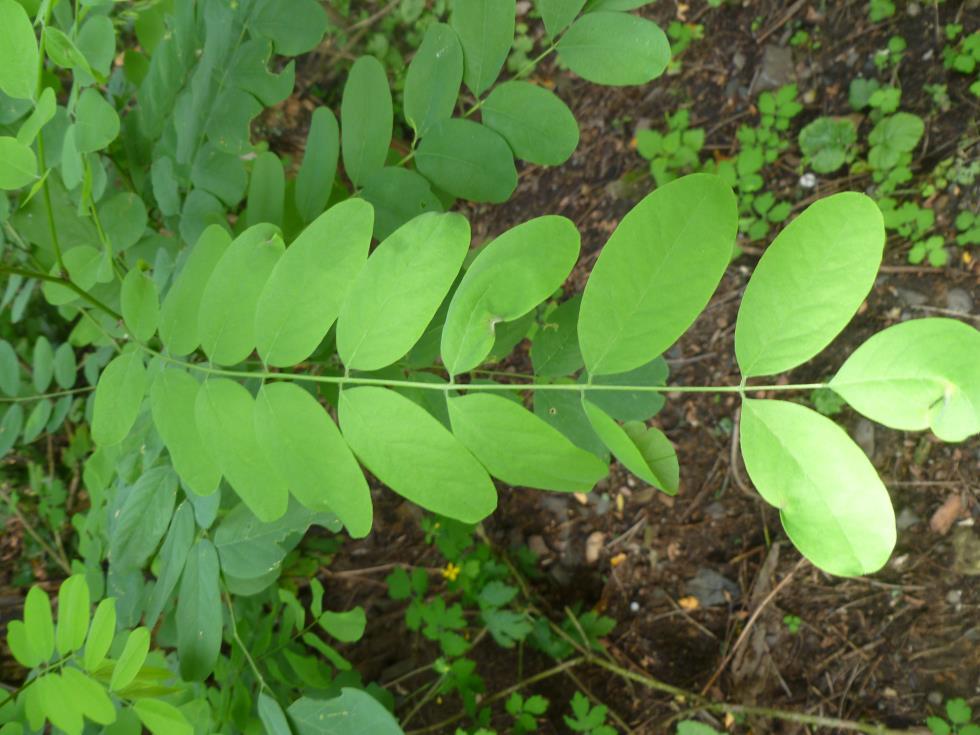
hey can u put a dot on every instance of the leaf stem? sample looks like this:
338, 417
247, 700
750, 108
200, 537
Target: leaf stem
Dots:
55, 394
241, 644
62, 281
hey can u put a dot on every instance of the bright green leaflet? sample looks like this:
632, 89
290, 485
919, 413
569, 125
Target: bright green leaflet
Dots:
557, 14
173, 397
920, 374
96, 122
656, 273
398, 194
161, 718
316, 174
73, 614
140, 305
398, 291
182, 305
18, 52
225, 419
43, 364
366, 119
433, 78
486, 33
266, 191
272, 716
199, 622
615, 49
347, 626
354, 711
831, 502
415, 455
536, 124
88, 696
18, 164
141, 522
39, 624
468, 160
44, 110
809, 283
645, 452
519, 448
118, 396
172, 557
554, 351
514, 273
302, 441
100, 634
97, 42
228, 306
131, 659
20, 645
303, 295
64, 53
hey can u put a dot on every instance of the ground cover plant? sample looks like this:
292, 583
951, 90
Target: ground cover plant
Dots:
222, 343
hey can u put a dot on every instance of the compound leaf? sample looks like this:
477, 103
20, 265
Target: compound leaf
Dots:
199, 621
366, 119
468, 160
414, 454
319, 167
433, 78
832, 504
615, 49
118, 396
809, 283
656, 273
536, 124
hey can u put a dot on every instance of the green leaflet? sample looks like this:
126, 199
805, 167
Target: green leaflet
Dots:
433, 79
630, 405
18, 52
347, 626
557, 14
399, 290
220, 173
87, 696
161, 718
97, 42
615, 49
536, 124
354, 711
301, 440
919, 374
44, 110
199, 620
139, 525
173, 399
272, 717
18, 165
486, 33
100, 635
37, 420
118, 396
42, 364
413, 454
519, 448
398, 195
173, 556
9, 369
305, 290
182, 305
644, 451
124, 218
140, 305
656, 273
228, 305
225, 418
73, 614
319, 167
65, 366
266, 191
295, 27
514, 273
39, 624
831, 502
131, 659
96, 122
809, 283
554, 351
366, 119
10, 427
468, 160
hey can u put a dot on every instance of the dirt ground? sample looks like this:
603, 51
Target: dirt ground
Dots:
683, 575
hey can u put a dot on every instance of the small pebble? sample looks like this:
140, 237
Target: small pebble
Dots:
935, 698
634, 607
958, 300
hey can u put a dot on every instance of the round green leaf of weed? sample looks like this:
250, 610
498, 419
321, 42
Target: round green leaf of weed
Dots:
96, 122
140, 305
415, 455
198, 619
557, 14
657, 273
302, 297
161, 718
347, 626
100, 634
272, 716
519, 448
366, 119
18, 52
920, 374
615, 49
316, 174
266, 191
228, 306
832, 504
173, 398
433, 78
38, 623
181, 307
303, 442
73, 614
65, 366
118, 396
809, 283
468, 160
825, 142
18, 165
514, 273
398, 195
42, 364
226, 421
536, 124
646, 452
354, 711
141, 522
399, 290
554, 351
486, 33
